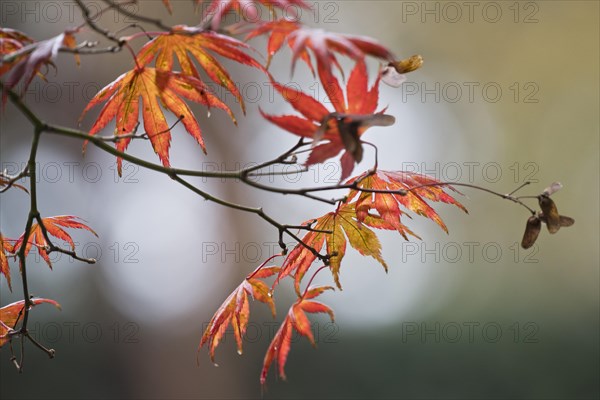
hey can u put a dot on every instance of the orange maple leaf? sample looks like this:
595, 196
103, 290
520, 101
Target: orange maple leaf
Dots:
148, 86
12, 313
296, 319
54, 226
188, 44
387, 205
236, 310
342, 226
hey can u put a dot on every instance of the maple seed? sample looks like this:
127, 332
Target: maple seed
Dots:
564, 220
532, 231
550, 212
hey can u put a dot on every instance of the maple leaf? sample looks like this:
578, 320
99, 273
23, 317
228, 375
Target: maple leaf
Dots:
54, 226
147, 86
341, 129
278, 32
388, 205
12, 313
235, 310
188, 44
5, 247
333, 229
321, 43
248, 9
37, 54
296, 319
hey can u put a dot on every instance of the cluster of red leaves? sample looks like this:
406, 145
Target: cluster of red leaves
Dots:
352, 222
11, 314
378, 199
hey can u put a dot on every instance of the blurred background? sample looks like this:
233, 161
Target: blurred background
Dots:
508, 92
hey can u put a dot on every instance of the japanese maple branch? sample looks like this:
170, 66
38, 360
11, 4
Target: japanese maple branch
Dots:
33, 214
283, 229
508, 196
171, 172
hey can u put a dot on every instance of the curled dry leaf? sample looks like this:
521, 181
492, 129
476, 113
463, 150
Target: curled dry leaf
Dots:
39, 54
394, 74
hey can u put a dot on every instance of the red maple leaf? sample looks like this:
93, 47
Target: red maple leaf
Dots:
323, 45
12, 313
148, 86
416, 190
342, 129
248, 9
187, 44
235, 310
54, 227
296, 319
279, 32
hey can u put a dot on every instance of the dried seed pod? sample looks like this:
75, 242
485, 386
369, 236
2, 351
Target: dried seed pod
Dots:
408, 65
550, 212
532, 231
393, 74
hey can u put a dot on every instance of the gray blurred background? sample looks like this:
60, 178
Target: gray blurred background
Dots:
509, 92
